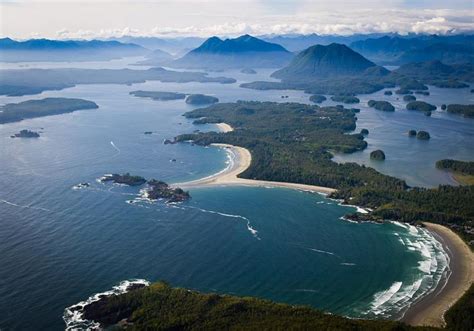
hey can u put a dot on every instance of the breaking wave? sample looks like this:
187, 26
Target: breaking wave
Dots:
73, 316
432, 272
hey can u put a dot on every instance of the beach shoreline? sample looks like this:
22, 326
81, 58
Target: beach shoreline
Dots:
239, 161
430, 310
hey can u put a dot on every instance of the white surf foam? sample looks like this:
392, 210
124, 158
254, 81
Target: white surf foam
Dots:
23, 206
73, 316
115, 147
252, 230
323, 252
433, 273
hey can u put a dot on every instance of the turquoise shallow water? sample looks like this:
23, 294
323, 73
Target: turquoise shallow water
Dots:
59, 245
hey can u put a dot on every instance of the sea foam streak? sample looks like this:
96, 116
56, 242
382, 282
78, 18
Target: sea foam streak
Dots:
73, 316
321, 251
115, 147
23, 206
433, 271
249, 226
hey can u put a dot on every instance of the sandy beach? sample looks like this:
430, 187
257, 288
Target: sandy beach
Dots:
224, 127
430, 310
240, 159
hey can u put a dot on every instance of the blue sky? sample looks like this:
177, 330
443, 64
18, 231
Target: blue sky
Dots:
105, 18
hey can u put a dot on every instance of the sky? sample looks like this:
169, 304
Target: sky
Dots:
88, 19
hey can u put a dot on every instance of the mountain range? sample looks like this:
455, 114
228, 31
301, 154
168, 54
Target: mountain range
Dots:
398, 50
242, 52
65, 50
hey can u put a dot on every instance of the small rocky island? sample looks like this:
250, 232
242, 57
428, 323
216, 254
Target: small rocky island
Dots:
420, 106
412, 133
158, 95
409, 98
345, 99
423, 135
248, 71
160, 190
378, 155
465, 110
364, 132
317, 98
26, 134
201, 99
403, 91
388, 93
125, 179
156, 189
381, 105
422, 92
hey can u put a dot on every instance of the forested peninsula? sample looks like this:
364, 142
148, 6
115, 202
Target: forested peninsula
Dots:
162, 307
292, 142
15, 112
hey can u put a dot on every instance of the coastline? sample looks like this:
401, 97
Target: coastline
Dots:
239, 160
430, 310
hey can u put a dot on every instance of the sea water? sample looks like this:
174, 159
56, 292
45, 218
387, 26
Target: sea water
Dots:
61, 243
407, 157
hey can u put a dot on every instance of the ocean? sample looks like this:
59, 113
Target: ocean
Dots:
60, 243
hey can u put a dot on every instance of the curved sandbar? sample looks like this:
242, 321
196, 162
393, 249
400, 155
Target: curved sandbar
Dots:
240, 159
429, 311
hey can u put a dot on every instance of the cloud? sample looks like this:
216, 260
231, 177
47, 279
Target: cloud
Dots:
71, 19
402, 24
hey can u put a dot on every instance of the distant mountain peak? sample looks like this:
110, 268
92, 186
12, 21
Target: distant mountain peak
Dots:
244, 43
244, 51
320, 61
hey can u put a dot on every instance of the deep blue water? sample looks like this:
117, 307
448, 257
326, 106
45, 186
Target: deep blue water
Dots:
59, 245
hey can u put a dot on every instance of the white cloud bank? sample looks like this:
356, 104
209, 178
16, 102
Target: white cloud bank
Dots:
69, 19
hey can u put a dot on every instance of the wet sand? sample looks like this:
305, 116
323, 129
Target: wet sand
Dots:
239, 162
429, 311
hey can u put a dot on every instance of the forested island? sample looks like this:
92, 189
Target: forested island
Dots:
292, 142
409, 98
15, 112
378, 155
157, 95
345, 99
125, 179
404, 91
423, 135
26, 134
161, 190
465, 110
156, 189
317, 98
381, 105
420, 106
201, 99
15, 82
